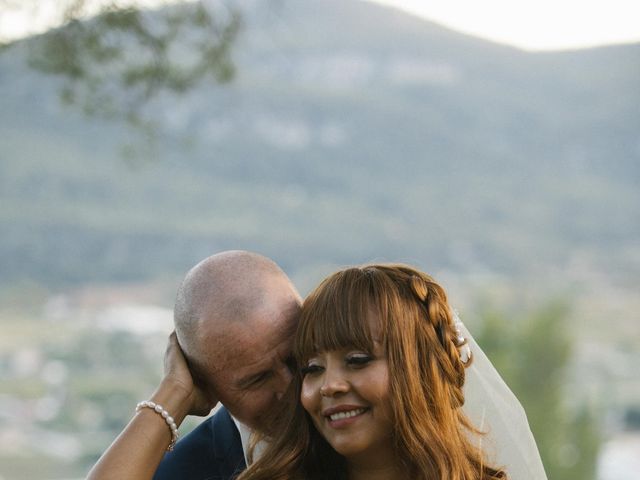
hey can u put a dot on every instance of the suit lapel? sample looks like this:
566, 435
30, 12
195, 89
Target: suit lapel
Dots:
227, 445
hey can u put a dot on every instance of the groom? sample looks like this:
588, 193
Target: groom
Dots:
235, 316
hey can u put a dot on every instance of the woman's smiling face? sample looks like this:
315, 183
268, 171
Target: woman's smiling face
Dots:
346, 393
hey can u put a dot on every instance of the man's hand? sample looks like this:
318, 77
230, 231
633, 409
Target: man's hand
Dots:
178, 376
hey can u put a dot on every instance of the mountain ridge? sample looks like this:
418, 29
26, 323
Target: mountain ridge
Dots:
336, 145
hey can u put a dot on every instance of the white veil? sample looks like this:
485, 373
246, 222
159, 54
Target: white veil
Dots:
493, 408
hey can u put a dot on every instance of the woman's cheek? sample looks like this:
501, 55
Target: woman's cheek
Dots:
307, 395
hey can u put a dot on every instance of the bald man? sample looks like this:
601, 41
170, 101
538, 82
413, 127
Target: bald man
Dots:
235, 316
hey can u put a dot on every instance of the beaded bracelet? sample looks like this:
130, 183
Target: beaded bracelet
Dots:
167, 418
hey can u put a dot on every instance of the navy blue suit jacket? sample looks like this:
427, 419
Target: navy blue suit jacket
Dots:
212, 451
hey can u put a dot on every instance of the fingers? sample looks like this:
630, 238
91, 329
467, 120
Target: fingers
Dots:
173, 340
174, 357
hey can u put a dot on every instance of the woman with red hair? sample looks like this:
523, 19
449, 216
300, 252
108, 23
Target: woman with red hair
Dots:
379, 390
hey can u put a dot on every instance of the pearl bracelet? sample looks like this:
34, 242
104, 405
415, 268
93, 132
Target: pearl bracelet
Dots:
167, 418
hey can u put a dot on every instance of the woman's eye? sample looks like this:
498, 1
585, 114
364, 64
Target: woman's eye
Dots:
359, 359
310, 369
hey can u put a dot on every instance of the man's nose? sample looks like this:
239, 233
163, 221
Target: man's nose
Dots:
283, 379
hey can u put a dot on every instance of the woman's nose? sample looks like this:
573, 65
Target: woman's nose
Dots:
334, 383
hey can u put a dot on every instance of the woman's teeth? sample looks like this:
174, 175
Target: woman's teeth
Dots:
349, 414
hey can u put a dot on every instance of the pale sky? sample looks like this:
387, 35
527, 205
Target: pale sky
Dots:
528, 24
535, 24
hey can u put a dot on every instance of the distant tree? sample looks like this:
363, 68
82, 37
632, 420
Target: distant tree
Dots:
119, 59
532, 354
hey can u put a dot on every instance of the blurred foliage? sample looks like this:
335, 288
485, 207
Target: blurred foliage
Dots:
67, 389
532, 354
116, 63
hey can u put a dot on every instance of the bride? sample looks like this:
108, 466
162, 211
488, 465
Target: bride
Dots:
380, 387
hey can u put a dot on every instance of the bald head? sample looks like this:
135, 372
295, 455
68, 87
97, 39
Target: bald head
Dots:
225, 289
230, 308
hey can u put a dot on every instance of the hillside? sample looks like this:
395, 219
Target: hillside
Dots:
352, 132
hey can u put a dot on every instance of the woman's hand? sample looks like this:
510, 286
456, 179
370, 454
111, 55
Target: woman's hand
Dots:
178, 378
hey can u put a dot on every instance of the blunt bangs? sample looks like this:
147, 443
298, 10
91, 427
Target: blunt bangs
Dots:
336, 314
